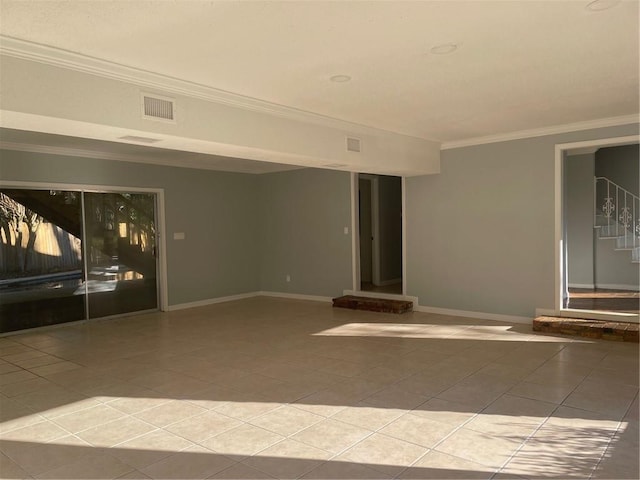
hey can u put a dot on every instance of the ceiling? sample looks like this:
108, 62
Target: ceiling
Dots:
519, 64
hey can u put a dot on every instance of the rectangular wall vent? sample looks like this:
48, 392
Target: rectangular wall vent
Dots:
159, 108
353, 144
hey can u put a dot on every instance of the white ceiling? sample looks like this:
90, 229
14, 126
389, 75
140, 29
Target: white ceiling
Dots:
520, 64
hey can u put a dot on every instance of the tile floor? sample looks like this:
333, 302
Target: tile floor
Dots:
274, 388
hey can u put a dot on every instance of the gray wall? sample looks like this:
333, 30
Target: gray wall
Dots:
390, 201
303, 214
578, 209
621, 165
216, 210
480, 236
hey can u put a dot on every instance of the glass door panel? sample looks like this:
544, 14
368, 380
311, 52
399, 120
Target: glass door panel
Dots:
41, 268
120, 253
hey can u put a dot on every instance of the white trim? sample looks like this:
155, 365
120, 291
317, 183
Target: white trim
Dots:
385, 296
618, 286
48, 55
161, 220
355, 236
296, 296
589, 286
485, 316
393, 281
404, 235
211, 301
540, 132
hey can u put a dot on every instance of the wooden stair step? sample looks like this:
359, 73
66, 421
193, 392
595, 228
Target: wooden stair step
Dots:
373, 304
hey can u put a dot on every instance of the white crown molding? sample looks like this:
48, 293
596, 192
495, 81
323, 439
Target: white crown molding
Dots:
48, 55
540, 132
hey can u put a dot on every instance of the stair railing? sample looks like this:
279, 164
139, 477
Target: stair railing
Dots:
619, 212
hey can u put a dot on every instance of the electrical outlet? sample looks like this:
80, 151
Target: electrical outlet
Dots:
288, 278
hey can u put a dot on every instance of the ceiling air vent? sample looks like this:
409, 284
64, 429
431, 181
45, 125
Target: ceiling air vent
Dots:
155, 107
353, 144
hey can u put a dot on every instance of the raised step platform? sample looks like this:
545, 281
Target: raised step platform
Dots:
580, 327
373, 304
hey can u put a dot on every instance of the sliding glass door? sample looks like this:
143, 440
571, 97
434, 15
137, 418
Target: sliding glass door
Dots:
41, 274
120, 253
71, 255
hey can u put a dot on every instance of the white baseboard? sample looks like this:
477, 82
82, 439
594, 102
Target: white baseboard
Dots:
393, 281
464, 313
211, 301
590, 286
615, 286
296, 296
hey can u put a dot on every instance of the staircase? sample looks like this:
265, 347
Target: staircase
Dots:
617, 216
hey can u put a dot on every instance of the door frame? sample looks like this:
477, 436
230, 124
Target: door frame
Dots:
559, 256
375, 228
163, 300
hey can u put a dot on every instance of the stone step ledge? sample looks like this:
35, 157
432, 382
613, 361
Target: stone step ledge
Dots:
373, 304
580, 327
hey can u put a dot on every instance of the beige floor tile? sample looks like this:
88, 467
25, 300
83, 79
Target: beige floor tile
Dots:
421, 431
288, 459
149, 448
240, 471
246, 410
604, 398
52, 368
27, 386
88, 418
332, 436
440, 465
478, 447
382, 453
394, 397
133, 405
286, 420
38, 458
445, 411
242, 441
15, 377
112, 433
93, 466
491, 385
370, 418
344, 470
195, 462
203, 426
545, 393
39, 433
10, 469
168, 413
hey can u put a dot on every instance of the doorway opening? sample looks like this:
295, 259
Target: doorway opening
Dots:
598, 229
68, 255
380, 234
